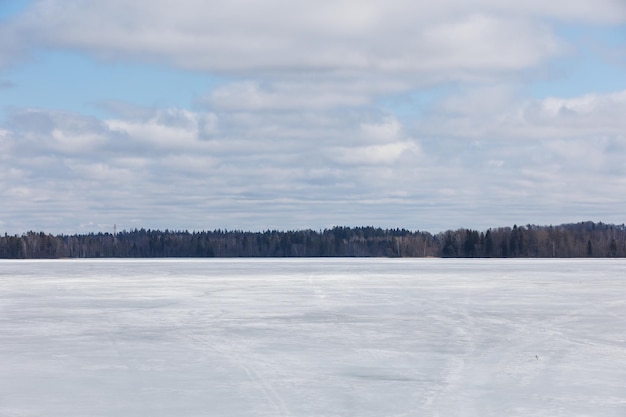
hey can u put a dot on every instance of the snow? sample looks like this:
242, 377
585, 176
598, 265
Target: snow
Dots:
313, 337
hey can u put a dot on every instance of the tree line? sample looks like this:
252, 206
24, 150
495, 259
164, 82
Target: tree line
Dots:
585, 239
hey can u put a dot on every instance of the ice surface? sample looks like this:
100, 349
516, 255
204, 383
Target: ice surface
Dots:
313, 337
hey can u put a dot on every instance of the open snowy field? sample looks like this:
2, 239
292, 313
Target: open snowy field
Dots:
313, 337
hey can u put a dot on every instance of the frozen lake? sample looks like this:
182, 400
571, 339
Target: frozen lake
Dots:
314, 337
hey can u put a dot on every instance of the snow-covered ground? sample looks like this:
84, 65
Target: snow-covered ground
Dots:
314, 337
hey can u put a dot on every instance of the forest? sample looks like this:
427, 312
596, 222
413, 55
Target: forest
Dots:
575, 240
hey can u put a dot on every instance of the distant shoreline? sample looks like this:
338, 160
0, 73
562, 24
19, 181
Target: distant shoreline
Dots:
573, 240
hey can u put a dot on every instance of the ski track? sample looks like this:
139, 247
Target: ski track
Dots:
522, 357
455, 368
239, 358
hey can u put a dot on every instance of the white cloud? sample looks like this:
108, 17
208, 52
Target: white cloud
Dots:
69, 143
500, 113
168, 129
374, 154
486, 42
102, 172
593, 116
291, 37
594, 110
390, 129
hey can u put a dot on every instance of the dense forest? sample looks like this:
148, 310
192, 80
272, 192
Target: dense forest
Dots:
586, 239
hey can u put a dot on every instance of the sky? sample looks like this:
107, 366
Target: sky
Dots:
276, 114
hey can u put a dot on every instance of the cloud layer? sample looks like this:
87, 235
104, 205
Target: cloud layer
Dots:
394, 36
292, 170
316, 121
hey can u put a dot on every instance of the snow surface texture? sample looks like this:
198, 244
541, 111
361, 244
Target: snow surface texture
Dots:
314, 337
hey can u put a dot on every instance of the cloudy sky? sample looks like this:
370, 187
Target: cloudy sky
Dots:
289, 114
